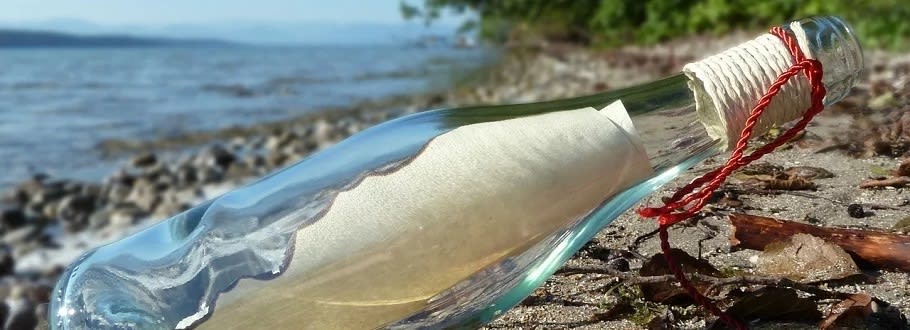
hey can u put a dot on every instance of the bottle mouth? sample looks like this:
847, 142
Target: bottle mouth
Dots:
833, 42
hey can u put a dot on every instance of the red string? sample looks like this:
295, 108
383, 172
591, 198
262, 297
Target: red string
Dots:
688, 201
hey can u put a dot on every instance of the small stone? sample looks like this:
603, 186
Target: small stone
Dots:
856, 211
12, 218
4, 313
217, 155
254, 161
117, 192
276, 159
49, 191
238, 143
21, 310
124, 216
41, 317
91, 189
806, 258
121, 177
619, 265
322, 131
27, 233
210, 175
24, 191
277, 142
153, 173
99, 219
144, 194
186, 176
75, 205
169, 208
238, 171
7, 263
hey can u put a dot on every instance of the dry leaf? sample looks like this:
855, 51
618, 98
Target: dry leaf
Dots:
896, 182
903, 169
849, 313
669, 292
620, 310
780, 304
808, 172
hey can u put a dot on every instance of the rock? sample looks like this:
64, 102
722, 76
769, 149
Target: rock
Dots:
49, 191
48, 210
144, 159
11, 218
276, 159
216, 156
238, 171
279, 141
144, 194
254, 161
167, 180
186, 176
21, 310
21, 235
121, 177
99, 219
4, 313
322, 132
210, 175
856, 211
91, 189
153, 173
238, 143
169, 207
619, 265
124, 215
7, 262
116, 192
25, 190
75, 210
41, 316
805, 258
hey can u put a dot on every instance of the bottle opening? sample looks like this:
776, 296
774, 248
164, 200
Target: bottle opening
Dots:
832, 41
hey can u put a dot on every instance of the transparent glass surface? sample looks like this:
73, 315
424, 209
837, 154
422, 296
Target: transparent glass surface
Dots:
224, 262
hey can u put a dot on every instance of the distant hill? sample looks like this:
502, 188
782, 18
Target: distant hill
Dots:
10, 38
253, 32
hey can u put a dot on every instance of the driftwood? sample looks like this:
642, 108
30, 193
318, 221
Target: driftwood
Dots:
881, 249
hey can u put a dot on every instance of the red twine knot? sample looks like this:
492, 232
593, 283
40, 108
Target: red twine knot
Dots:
691, 198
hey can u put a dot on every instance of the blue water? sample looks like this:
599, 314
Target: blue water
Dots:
57, 105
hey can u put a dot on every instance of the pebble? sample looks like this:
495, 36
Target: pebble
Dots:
144, 159
76, 208
7, 262
21, 313
11, 218
216, 155
856, 211
186, 176
144, 194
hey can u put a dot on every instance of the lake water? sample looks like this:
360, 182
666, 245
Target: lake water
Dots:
56, 105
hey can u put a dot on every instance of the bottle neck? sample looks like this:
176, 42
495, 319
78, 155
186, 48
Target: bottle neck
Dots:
701, 112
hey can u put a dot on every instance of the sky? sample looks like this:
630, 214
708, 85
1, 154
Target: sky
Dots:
168, 12
246, 21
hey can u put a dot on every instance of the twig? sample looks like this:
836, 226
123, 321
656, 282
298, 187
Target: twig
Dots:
632, 279
897, 182
810, 196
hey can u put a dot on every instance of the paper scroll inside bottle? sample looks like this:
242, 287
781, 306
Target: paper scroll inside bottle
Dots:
469, 198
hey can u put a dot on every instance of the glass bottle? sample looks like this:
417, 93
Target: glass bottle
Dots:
443, 218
